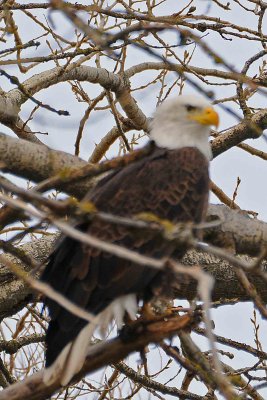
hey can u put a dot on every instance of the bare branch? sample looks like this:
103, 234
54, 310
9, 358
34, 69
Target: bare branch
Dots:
33, 387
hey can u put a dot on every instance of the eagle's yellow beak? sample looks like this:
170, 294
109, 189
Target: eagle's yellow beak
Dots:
206, 117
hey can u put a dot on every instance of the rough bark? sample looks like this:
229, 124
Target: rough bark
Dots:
237, 231
15, 294
37, 162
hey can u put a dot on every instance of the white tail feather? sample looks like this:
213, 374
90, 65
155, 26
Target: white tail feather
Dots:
72, 357
51, 373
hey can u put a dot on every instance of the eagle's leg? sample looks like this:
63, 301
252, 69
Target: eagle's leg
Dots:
147, 311
162, 307
157, 307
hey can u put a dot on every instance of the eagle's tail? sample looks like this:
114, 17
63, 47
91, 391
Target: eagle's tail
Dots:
72, 357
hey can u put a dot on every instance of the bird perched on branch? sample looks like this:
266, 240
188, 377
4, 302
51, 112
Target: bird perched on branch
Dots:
170, 182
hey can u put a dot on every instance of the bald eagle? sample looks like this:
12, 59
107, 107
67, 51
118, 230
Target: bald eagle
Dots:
172, 182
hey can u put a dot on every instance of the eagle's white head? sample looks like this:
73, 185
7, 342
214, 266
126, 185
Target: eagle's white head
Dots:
184, 121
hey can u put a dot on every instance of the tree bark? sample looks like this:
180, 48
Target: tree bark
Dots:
237, 231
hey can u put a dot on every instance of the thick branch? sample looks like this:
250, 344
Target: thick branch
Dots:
179, 68
108, 80
15, 294
37, 162
237, 231
226, 287
120, 85
251, 129
33, 388
8, 109
57, 75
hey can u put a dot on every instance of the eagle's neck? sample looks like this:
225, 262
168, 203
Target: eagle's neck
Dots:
172, 137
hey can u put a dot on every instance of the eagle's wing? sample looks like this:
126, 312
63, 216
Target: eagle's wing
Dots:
171, 184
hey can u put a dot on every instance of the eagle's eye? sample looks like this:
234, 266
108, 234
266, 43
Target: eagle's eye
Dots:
190, 108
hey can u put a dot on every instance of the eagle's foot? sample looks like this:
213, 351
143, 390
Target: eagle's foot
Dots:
147, 312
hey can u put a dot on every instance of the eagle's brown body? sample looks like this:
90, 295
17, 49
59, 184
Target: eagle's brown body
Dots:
173, 185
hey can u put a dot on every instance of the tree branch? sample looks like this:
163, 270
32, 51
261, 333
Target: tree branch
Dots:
33, 387
237, 231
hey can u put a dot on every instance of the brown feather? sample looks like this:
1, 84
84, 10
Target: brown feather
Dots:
173, 185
